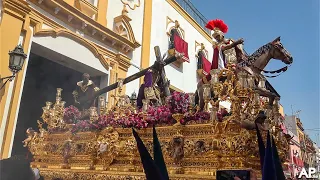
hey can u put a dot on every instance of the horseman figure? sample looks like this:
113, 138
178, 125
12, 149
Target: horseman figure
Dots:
227, 51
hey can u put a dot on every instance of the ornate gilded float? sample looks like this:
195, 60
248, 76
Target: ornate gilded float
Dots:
195, 144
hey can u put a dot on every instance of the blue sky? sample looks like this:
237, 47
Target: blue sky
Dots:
297, 22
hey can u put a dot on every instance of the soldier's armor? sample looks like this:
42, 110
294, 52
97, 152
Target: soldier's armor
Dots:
230, 54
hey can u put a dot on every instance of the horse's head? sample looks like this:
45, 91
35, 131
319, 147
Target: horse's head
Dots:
279, 52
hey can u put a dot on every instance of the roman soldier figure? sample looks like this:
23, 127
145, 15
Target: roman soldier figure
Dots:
86, 88
221, 47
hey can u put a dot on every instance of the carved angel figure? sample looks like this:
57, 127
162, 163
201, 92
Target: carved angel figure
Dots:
103, 147
177, 151
66, 151
30, 133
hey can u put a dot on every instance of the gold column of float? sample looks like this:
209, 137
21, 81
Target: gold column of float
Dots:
112, 79
122, 74
146, 35
102, 12
15, 20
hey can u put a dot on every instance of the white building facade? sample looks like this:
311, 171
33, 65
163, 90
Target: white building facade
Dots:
109, 39
183, 77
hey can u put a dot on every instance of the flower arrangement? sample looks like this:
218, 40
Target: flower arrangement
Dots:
154, 115
198, 116
221, 114
86, 125
71, 114
178, 102
159, 115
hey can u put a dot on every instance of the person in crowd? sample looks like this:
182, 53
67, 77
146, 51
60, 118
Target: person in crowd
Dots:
17, 169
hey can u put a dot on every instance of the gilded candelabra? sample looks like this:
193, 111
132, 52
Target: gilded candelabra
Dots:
191, 102
53, 115
206, 96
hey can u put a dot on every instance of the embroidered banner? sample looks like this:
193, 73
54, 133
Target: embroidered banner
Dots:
181, 47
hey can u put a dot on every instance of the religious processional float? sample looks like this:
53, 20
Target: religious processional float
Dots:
197, 135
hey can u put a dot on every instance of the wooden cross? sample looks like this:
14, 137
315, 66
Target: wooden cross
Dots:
157, 65
163, 82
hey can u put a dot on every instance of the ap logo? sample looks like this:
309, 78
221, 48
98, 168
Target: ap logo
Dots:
308, 174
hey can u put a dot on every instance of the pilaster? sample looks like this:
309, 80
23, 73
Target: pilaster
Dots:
102, 12
15, 22
146, 36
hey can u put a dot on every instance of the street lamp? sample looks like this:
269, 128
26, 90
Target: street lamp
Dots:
16, 61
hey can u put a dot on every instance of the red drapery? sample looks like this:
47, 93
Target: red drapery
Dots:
206, 65
215, 58
298, 161
181, 47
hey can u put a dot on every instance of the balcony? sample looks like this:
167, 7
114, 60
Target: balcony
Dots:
194, 13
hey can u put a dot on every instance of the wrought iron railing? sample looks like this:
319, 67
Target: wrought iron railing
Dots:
194, 13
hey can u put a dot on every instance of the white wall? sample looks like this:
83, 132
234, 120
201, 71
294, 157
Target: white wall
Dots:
186, 79
115, 9
75, 51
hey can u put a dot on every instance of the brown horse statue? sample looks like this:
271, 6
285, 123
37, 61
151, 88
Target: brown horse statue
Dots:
255, 64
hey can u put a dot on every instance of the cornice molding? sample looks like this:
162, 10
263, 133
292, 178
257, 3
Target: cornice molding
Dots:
125, 20
91, 28
124, 62
109, 58
22, 10
86, 7
16, 8
94, 24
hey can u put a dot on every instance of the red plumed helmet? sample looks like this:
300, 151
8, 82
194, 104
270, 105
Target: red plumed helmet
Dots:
219, 24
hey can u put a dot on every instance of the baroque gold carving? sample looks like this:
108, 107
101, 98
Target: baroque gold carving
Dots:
190, 151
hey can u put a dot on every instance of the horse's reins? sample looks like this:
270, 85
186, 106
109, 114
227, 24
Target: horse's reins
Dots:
280, 71
250, 63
